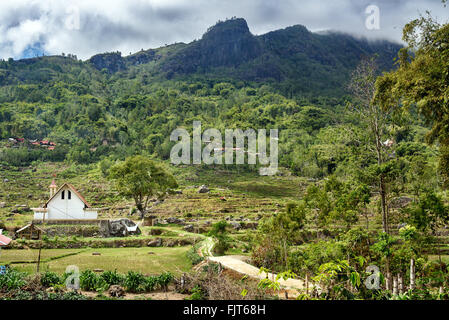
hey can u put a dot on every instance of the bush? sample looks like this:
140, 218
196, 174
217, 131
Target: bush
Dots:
196, 294
89, 280
50, 279
165, 279
135, 282
220, 233
193, 256
113, 278
12, 279
151, 283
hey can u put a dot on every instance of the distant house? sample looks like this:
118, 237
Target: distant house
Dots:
30, 232
65, 203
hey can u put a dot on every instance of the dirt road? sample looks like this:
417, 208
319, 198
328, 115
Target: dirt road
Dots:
237, 264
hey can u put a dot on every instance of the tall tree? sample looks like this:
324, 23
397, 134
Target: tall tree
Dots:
422, 81
374, 119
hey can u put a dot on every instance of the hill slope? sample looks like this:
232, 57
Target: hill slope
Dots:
293, 59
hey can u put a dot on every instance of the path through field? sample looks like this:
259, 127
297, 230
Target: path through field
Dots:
237, 264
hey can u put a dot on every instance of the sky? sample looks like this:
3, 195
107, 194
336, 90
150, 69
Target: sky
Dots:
87, 27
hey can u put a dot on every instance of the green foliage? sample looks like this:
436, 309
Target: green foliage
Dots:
12, 279
50, 279
421, 79
165, 279
196, 294
193, 255
89, 280
429, 212
151, 283
135, 282
140, 178
112, 278
219, 232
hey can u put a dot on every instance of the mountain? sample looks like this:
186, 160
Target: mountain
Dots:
293, 60
294, 57
115, 106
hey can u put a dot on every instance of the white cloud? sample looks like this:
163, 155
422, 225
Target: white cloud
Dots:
130, 25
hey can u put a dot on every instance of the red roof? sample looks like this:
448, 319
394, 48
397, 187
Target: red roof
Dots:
4, 240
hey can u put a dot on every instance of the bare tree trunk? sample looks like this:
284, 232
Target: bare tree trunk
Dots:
400, 283
395, 286
388, 285
39, 257
307, 283
388, 280
382, 190
285, 254
412, 274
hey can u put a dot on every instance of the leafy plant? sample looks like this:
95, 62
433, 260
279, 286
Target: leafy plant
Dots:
50, 279
12, 279
89, 280
135, 282
112, 277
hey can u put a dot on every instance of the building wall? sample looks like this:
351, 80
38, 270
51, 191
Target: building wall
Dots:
66, 209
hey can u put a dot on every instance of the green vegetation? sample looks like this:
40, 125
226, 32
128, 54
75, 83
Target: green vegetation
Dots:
140, 179
120, 259
360, 184
22, 286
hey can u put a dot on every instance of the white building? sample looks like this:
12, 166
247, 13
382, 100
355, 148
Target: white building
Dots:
65, 203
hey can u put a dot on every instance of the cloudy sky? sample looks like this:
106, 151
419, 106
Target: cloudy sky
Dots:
87, 27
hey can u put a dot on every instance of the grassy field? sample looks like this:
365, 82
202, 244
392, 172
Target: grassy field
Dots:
123, 259
30, 255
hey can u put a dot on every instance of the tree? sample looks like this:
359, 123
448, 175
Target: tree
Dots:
362, 87
219, 232
429, 213
422, 80
140, 178
284, 226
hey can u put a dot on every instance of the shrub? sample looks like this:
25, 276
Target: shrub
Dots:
135, 282
164, 279
112, 278
12, 279
193, 256
151, 283
196, 294
89, 280
220, 233
50, 279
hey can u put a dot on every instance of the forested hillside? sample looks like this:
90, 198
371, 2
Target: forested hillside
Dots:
114, 106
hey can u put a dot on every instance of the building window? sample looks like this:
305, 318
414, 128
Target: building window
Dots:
62, 194
69, 195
